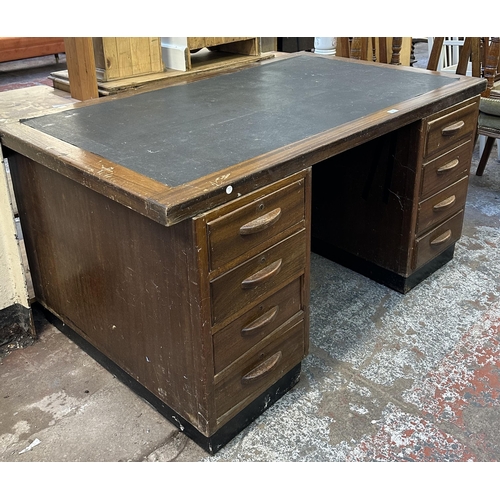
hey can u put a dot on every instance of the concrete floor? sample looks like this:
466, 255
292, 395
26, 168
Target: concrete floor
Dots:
389, 377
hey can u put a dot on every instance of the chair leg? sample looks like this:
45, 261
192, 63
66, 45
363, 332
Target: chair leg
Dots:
486, 154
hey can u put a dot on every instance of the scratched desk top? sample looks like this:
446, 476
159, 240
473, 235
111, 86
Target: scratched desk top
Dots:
178, 134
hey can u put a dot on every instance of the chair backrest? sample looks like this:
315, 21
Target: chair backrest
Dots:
491, 64
446, 53
469, 51
478, 52
370, 48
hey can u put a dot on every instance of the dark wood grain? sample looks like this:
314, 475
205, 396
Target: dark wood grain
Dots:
124, 282
442, 205
243, 333
240, 289
447, 168
226, 240
233, 389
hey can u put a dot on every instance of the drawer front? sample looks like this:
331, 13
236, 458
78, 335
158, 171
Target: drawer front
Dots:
439, 239
241, 230
442, 205
446, 169
250, 328
241, 288
259, 369
443, 132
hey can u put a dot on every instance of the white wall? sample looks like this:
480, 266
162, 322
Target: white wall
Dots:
13, 289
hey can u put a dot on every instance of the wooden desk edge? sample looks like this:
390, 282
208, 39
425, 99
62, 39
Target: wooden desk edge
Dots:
169, 205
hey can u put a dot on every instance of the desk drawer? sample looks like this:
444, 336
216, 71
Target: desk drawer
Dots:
250, 328
259, 368
439, 239
241, 288
446, 169
442, 205
444, 131
241, 230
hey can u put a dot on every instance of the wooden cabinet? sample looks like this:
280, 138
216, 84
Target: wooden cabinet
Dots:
448, 139
13, 48
208, 334
257, 262
415, 181
181, 53
124, 57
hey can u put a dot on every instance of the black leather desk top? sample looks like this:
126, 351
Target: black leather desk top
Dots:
178, 134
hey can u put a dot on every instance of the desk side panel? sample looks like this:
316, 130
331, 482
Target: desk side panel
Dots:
128, 285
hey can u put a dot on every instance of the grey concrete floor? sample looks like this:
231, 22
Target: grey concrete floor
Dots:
389, 377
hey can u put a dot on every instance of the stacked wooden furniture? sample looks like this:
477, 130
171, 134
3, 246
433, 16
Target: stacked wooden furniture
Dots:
393, 50
117, 58
126, 63
111, 64
13, 48
221, 51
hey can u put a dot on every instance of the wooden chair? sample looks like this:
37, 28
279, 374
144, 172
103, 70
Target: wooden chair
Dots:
469, 52
489, 107
370, 48
483, 55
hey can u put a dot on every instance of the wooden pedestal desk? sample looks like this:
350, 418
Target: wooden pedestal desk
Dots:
170, 231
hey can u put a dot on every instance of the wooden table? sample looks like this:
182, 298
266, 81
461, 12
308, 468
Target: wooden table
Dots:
171, 230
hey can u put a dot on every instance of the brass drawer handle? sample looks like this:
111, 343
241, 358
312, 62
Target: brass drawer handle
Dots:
262, 276
261, 223
260, 322
442, 239
453, 128
445, 203
265, 367
448, 166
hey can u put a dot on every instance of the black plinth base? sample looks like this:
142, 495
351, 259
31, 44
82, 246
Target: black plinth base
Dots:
211, 444
379, 274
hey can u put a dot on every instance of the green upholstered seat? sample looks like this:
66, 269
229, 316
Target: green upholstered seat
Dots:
490, 106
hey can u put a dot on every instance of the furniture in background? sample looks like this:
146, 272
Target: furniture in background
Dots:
445, 53
464, 59
393, 50
475, 56
124, 63
181, 259
295, 44
179, 53
80, 61
13, 48
489, 106
117, 58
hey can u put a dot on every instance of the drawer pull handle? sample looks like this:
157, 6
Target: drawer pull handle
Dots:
263, 275
260, 322
442, 239
449, 166
261, 370
445, 203
453, 128
261, 223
